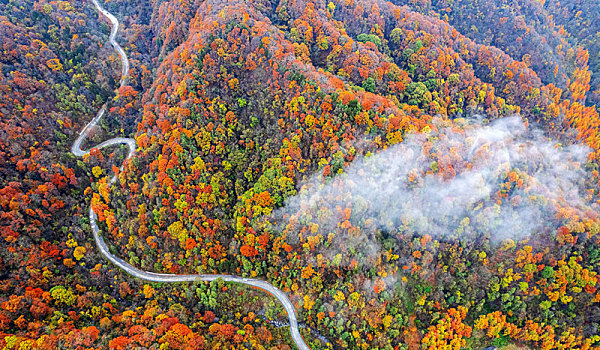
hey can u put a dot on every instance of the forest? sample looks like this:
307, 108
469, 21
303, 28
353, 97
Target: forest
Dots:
418, 174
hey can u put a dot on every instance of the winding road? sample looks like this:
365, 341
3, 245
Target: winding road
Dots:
160, 277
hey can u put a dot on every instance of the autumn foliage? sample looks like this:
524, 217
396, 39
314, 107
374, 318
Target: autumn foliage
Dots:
235, 106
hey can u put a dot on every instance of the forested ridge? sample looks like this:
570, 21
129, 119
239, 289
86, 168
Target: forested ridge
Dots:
412, 174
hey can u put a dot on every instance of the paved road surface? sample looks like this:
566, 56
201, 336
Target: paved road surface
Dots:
160, 277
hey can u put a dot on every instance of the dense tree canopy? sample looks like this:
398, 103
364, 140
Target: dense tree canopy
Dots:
251, 119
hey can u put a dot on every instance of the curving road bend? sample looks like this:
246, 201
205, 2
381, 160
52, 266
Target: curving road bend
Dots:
160, 277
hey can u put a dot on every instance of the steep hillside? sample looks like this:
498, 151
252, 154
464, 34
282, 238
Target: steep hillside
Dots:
413, 175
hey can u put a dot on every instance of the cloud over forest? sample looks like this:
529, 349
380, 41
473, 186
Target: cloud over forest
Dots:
502, 180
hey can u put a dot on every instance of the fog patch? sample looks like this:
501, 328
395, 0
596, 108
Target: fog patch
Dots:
497, 181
